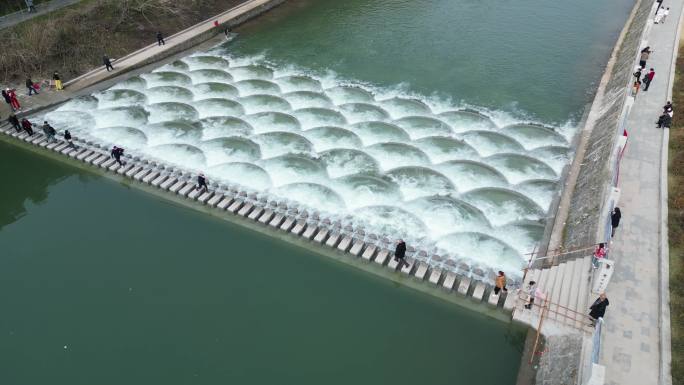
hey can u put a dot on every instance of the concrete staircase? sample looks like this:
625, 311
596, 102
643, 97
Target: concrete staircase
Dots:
567, 290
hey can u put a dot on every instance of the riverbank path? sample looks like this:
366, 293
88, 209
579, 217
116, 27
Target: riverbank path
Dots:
636, 341
41, 9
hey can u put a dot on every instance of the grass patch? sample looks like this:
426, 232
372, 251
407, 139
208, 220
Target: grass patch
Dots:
676, 223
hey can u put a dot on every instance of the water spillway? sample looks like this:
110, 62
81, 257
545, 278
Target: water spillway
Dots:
453, 181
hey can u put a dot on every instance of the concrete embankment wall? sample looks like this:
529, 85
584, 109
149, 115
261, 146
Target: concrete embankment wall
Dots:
587, 197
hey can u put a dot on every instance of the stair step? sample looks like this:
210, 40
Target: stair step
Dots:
574, 289
583, 292
564, 296
557, 284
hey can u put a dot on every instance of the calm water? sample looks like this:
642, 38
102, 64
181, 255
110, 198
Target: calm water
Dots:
143, 292
536, 58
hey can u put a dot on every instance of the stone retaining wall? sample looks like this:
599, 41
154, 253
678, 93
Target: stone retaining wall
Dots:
587, 209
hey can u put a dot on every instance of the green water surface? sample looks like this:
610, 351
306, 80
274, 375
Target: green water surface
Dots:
104, 284
540, 59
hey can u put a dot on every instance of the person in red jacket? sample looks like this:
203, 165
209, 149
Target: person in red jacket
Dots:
648, 78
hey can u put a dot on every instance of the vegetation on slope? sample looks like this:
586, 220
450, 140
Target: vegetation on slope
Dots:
676, 224
73, 39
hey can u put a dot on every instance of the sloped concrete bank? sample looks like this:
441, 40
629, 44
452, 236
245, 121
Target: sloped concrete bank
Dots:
583, 215
584, 209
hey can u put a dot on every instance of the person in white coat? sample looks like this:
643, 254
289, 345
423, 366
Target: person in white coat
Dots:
659, 15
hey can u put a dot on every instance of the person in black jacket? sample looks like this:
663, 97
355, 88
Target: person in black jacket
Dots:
598, 308
202, 183
107, 63
615, 220
30, 87
116, 153
67, 137
14, 121
160, 39
400, 253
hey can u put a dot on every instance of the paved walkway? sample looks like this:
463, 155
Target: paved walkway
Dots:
43, 8
631, 346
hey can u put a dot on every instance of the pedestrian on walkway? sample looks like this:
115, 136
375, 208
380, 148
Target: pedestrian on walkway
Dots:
67, 137
665, 120
643, 57
160, 39
598, 308
668, 108
49, 131
665, 13
500, 283
30, 6
14, 102
116, 153
27, 126
202, 183
531, 292
615, 220
400, 253
635, 88
599, 254
5, 95
637, 73
31, 87
648, 78
660, 13
58, 81
107, 63
14, 121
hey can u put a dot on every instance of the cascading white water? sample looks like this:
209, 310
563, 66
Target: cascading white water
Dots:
440, 177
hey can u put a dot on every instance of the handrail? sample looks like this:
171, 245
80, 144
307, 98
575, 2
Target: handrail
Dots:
573, 316
545, 310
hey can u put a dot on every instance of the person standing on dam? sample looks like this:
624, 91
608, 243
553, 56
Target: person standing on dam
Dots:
67, 137
27, 126
202, 183
648, 78
107, 63
14, 121
160, 39
400, 253
49, 131
500, 283
116, 153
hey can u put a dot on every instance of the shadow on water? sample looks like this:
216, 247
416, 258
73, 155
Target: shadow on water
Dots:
28, 178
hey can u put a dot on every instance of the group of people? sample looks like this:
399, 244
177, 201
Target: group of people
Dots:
49, 131
661, 13
665, 119
642, 78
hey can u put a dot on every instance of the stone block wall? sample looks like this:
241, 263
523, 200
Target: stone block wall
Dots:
586, 213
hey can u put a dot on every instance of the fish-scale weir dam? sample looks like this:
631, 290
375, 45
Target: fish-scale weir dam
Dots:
468, 194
